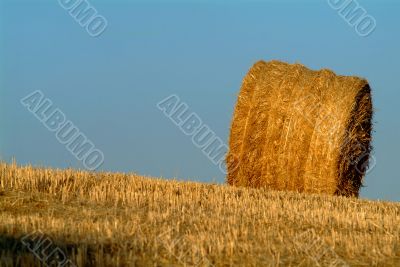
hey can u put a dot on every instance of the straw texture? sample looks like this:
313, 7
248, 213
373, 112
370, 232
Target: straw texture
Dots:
300, 130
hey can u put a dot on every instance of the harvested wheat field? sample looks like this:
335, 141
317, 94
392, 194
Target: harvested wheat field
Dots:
300, 130
115, 219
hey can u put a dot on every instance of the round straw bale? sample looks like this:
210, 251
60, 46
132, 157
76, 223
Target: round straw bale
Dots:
300, 130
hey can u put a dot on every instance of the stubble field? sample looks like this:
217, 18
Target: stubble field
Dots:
115, 219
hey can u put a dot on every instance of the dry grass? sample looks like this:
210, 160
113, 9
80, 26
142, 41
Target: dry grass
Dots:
111, 219
300, 130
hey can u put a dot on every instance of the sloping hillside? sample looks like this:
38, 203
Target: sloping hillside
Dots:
113, 219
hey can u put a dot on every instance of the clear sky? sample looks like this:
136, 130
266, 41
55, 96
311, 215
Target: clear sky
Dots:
109, 85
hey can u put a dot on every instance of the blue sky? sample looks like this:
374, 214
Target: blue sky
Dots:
109, 85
